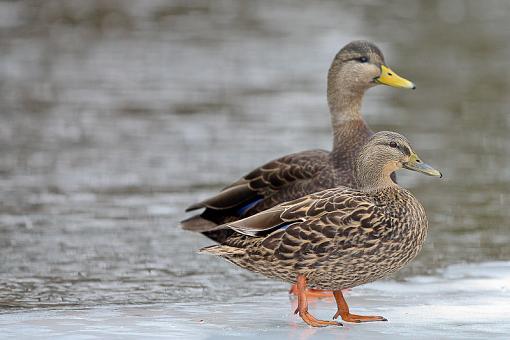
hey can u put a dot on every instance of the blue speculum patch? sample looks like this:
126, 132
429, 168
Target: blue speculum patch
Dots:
244, 209
284, 226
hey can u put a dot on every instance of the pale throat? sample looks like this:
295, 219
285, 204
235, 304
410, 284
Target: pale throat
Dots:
349, 129
344, 101
369, 178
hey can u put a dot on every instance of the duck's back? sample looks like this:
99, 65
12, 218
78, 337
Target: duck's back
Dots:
277, 181
281, 180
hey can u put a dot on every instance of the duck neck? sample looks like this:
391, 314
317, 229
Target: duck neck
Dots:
344, 96
344, 105
348, 138
349, 129
374, 174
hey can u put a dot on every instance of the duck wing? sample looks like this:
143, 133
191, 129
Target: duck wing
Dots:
280, 180
337, 205
307, 230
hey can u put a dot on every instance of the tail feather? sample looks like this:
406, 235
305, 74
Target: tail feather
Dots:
222, 251
197, 224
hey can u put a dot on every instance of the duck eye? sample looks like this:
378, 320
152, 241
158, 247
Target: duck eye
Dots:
362, 59
393, 144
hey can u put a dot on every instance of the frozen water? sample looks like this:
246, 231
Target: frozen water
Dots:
462, 301
116, 115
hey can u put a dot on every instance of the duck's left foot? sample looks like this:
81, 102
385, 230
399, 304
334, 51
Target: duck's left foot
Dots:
343, 311
302, 308
312, 321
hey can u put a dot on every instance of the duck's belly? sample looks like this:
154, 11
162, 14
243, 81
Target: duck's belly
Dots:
338, 271
343, 276
350, 271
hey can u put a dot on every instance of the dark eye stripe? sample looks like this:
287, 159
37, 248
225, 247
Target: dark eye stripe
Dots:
406, 150
359, 59
403, 148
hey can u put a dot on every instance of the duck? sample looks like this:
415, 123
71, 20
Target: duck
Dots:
357, 67
338, 238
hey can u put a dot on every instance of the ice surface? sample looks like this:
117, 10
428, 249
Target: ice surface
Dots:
117, 115
462, 301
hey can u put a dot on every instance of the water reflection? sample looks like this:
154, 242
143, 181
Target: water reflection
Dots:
116, 115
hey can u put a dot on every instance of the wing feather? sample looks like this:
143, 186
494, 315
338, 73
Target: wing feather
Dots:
285, 173
307, 208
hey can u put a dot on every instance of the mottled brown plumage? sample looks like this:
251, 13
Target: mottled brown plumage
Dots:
357, 67
337, 237
342, 237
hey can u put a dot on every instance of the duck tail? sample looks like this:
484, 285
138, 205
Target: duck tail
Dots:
197, 224
222, 251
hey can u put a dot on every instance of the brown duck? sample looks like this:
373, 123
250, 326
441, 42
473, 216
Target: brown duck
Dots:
356, 68
337, 238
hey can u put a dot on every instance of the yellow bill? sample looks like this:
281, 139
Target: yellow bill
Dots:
416, 164
390, 78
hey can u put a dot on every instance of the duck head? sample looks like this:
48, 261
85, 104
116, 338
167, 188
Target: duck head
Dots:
357, 67
384, 153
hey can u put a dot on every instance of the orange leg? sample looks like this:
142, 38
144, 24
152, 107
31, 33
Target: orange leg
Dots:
302, 308
343, 311
311, 293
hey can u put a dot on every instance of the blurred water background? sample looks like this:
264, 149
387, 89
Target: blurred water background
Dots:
116, 115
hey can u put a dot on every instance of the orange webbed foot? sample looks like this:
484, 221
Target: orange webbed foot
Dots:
312, 321
359, 318
302, 308
343, 311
